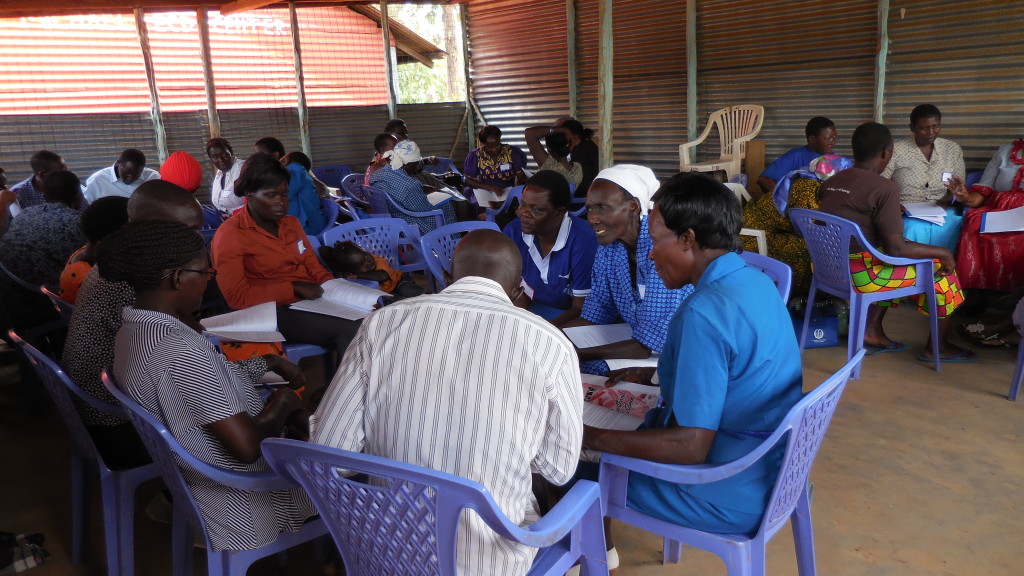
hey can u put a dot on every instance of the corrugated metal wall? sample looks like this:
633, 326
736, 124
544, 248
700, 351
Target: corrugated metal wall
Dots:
519, 64
797, 58
649, 118
967, 59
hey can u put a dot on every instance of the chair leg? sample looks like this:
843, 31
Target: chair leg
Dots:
933, 322
79, 514
126, 520
803, 536
672, 551
111, 519
1018, 373
807, 316
745, 560
181, 544
855, 334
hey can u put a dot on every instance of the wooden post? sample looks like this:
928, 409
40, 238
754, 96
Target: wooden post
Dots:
881, 62
691, 72
160, 134
389, 69
208, 82
605, 90
755, 165
470, 107
570, 38
300, 83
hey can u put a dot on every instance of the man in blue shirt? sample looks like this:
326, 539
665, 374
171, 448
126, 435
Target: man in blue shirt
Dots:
557, 249
30, 191
729, 372
821, 137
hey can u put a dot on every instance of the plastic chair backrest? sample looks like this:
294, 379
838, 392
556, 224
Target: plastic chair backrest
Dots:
515, 193
63, 391
439, 245
64, 308
381, 237
973, 178
828, 241
352, 186
406, 521
779, 272
212, 217
332, 174
167, 453
330, 210
743, 121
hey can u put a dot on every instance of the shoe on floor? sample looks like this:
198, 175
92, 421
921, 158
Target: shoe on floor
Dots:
613, 563
961, 357
893, 346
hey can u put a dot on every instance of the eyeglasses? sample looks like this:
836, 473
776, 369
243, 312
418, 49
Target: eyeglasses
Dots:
211, 272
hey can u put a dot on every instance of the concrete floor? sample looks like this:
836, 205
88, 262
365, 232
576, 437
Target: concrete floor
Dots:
920, 473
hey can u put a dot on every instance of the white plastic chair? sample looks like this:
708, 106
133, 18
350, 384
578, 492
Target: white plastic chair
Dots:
736, 125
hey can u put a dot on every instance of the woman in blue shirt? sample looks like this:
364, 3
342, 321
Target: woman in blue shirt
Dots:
729, 372
557, 249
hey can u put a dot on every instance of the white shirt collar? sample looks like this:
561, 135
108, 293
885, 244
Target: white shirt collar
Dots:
560, 242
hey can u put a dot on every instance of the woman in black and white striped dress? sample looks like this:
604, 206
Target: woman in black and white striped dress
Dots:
210, 406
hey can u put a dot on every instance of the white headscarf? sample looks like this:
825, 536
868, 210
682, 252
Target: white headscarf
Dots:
403, 153
638, 181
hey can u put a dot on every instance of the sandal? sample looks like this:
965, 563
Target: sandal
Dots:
993, 341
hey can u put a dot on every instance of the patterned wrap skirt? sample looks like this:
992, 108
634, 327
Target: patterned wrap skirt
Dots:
870, 275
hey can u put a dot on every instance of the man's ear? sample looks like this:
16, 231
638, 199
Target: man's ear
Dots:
687, 240
448, 279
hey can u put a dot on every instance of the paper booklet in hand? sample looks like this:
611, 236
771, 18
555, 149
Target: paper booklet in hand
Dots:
343, 299
601, 334
255, 324
620, 407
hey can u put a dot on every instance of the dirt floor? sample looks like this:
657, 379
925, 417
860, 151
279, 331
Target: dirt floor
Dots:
920, 473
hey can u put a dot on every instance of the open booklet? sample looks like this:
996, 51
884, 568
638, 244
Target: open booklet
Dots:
255, 324
621, 407
1003, 221
601, 334
927, 211
343, 299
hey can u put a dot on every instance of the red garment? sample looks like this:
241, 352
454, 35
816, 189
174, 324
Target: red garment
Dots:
993, 261
254, 266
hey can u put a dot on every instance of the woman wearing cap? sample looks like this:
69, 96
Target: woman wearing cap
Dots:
625, 286
397, 181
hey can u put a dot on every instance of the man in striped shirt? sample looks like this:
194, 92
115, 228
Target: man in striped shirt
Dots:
466, 383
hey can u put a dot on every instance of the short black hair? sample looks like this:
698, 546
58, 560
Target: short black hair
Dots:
870, 140
816, 125
557, 144
62, 186
556, 186
219, 143
922, 111
393, 123
488, 131
271, 145
301, 159
104, 217
45, 161
141, 252
259, 172
690, 201
133, 155
382, 139
576, 127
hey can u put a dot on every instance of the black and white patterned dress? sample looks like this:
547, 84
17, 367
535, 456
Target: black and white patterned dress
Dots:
179, 377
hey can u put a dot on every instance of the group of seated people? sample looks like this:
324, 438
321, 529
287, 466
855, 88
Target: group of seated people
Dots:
899, 178
479, 380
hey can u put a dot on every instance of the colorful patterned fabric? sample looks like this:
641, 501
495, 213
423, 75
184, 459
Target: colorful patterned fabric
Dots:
870, 275
783, 243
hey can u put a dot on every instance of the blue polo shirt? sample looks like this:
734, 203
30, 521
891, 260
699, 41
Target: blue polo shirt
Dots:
795, 159
565, 272
731, 363
303, 200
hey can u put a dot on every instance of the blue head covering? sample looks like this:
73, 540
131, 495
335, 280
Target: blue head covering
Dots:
821, 168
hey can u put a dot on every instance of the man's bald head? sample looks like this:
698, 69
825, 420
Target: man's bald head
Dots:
162, 200
488, 254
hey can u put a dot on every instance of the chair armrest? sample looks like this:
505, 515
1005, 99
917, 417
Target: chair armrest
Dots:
759, 236
555, 525
438, 215
685, 147
251, 481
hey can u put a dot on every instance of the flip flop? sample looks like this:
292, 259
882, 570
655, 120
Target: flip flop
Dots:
994, 341
961, 357
893, 346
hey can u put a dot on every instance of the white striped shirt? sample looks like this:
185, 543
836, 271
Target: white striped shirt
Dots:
466, 383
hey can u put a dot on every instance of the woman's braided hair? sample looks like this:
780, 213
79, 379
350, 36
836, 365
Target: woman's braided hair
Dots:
143, 251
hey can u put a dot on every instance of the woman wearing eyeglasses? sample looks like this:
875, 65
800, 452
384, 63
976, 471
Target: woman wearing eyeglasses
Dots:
263, 255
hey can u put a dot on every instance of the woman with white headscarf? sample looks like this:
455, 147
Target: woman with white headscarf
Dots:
625, 286
397, 181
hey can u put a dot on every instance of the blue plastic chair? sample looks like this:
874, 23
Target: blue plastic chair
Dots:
802, 431
382, 205
212, 217
391, 238
1018, 373
516, 193
443, 166
63, 307
117, 487
829, 240
330, 210
973, 178
439, 245
408, 525
332, 174
779, 272
166, 452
